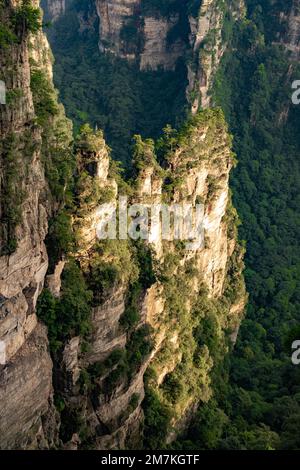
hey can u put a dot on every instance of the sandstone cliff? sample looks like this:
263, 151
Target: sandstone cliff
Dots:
158, 39
104, 387
26, 382
290, 38
28, 417
125, 318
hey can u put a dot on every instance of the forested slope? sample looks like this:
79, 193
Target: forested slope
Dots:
253, 86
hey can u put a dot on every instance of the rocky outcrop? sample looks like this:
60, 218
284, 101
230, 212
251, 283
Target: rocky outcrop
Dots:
108, 335
199, 167
22, 269
54, 8
129, 33
157, 52
28, 419
204, 164
208, 47
113, 16
27, 415
291, 39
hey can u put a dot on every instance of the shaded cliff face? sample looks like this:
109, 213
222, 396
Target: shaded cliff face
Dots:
53, 9
158, 37
291, 37
128, 30
208, 41
26, 382
27, 417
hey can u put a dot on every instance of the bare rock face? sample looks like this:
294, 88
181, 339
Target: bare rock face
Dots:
113, 16
54, 8
291, 39
70, 360
157, 52
26, 374
53, 281
150, 46
107, 335
28, 419
208, 48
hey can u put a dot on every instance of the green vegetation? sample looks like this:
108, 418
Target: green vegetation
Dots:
18, 23
194, 349
111, 262
17, 149
12, 192
257, 404
69, 315
157, 420
112, 93
27, 18
58, 160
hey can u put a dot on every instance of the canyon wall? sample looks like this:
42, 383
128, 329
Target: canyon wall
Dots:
27, 416
208, 42
149, 301
158, 37
54, 9
140, 324
292, 33
166, 37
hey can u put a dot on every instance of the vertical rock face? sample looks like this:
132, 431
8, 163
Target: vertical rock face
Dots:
149, 298
26, 370
209, 277
157, 51
201, 166
208, 47
292, 37
54, 8
129, 32
113, 16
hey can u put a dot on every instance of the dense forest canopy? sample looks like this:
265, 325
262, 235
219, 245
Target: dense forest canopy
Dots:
257, 390
110, 92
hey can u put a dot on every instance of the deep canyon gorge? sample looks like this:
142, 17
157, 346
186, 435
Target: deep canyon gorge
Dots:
133, 344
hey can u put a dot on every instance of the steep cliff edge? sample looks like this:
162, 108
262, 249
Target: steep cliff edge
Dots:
291, 36
27, 417
53, 9
128, 320
152, 298
158, 36
209, 35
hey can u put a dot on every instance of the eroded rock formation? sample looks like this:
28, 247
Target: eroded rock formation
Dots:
191, 284
26, 371
148, 299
